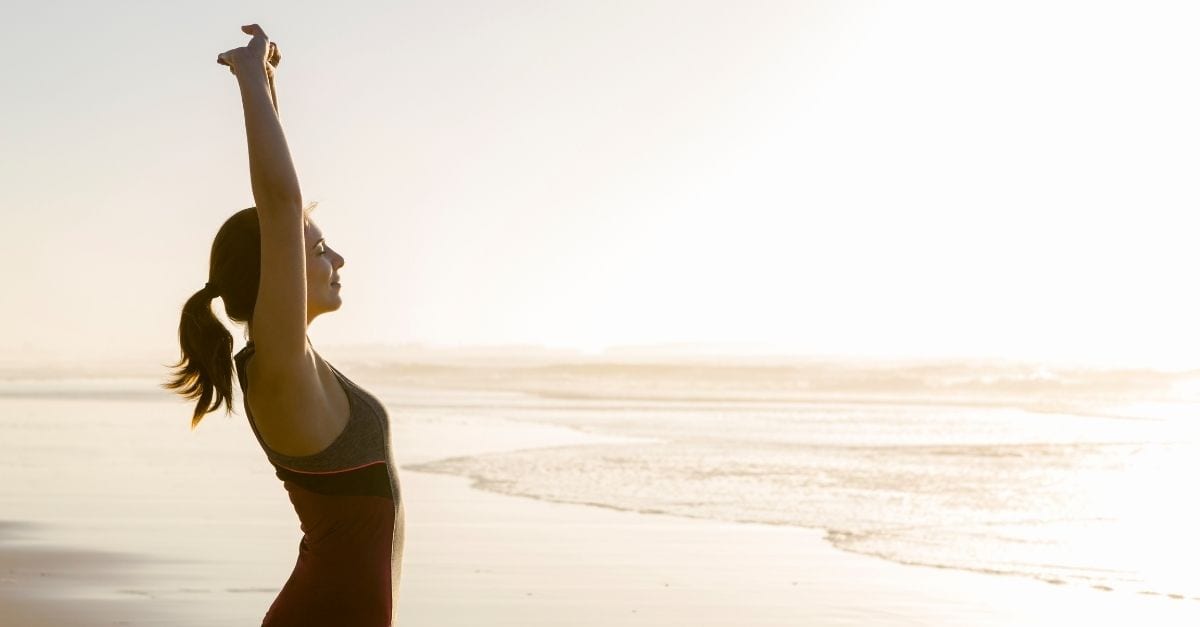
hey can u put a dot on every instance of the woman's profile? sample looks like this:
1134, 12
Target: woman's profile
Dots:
327, 438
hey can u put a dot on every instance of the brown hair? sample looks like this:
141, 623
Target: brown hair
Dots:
205, 367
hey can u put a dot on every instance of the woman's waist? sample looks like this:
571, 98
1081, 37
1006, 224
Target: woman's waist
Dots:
374, 478
361, 518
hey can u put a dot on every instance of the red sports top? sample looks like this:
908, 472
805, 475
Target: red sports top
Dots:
352, 517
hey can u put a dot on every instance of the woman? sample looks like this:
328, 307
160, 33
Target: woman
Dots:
326, 437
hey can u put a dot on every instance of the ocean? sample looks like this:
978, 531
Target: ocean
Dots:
1071, 476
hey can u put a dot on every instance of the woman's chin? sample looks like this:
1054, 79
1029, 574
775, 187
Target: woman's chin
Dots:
334, 303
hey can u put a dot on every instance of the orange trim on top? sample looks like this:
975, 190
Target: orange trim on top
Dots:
331, 472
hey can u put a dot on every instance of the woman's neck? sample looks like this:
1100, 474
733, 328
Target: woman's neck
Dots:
306, 339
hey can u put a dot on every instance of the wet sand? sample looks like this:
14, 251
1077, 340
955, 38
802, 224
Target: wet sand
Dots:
476, 558
479, 558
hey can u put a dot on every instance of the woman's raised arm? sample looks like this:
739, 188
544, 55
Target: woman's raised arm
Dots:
280, 323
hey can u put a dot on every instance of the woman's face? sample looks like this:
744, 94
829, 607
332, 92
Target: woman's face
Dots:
321, 265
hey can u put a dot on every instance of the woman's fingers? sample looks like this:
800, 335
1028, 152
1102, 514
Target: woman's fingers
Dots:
221, 59
259, 50
254, 30
226, 58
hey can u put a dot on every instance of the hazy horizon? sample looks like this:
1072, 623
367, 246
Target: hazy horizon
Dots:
699, 363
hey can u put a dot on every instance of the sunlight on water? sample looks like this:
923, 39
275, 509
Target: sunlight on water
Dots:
1151, 522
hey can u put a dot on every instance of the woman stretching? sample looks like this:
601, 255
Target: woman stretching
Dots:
326, 437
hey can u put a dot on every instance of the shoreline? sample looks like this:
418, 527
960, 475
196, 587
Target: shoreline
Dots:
628, 568
479, 483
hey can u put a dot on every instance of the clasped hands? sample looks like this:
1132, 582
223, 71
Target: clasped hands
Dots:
261, 51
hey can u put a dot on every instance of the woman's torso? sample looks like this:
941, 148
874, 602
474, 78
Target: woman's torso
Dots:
347, 498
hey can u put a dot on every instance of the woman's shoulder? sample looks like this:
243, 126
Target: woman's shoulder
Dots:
274, 381
296, 413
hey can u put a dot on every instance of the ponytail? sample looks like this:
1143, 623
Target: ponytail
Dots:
205, 367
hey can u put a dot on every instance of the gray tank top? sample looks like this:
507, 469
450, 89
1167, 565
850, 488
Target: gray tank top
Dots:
365, 440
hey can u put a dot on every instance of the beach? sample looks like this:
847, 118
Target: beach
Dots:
124, 518
480, 559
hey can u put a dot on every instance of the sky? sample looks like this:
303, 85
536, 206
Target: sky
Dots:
905, 179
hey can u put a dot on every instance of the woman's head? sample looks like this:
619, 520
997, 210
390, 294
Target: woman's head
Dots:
205, 368
234, 266
321, 269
